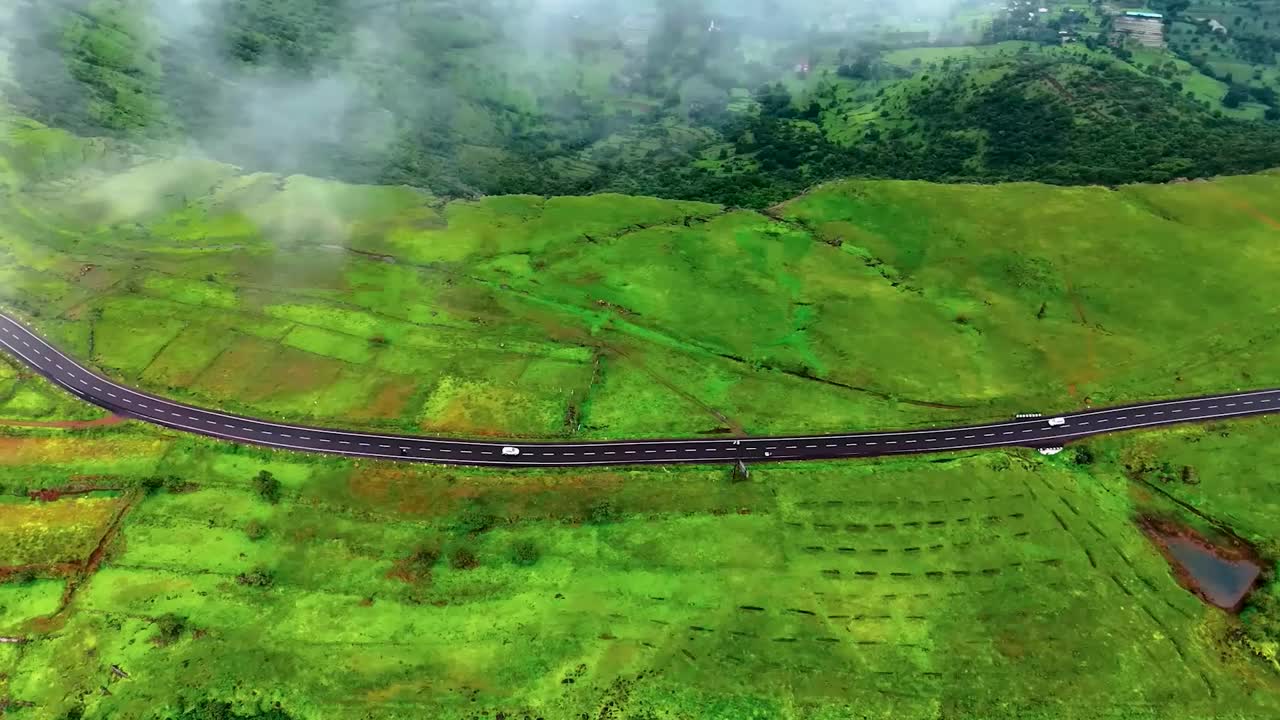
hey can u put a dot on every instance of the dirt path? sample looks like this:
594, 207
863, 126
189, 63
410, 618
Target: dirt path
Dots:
1255, 213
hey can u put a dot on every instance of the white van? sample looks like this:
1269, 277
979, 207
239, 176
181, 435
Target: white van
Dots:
1057, 422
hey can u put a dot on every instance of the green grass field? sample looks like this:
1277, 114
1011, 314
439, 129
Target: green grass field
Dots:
969, 586
859, 305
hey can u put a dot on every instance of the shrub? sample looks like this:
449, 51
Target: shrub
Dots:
156, 483
525, 553
170, 628
258, 577
463, 558
255, 530
1083, 456
603, 513
474, 518
267, 486
424, 558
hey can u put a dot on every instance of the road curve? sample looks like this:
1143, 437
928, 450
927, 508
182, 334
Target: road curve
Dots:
55, 365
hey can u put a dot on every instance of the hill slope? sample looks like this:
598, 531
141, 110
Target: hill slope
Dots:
464, 99
860, 305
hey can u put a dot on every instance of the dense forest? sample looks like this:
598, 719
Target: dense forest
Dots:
476, 98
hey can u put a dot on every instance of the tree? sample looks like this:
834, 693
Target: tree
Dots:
1272, 114
1235, 97
267, 486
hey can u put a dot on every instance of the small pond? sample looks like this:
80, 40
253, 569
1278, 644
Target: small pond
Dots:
1221, 576
1221, 581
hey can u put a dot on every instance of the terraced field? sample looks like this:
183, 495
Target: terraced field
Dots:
975, 585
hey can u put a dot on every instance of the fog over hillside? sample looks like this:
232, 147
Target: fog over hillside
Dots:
744, 102
280, 84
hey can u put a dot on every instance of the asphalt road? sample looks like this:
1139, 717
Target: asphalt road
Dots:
50, 362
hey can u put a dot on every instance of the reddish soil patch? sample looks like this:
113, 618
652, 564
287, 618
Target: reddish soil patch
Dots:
390, 401
256, 370
1220, 574
441, 493
55, 494
63, 569
293, 372
1011, 645
67, 424
403, 572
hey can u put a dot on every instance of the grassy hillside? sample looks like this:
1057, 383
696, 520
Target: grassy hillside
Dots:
969, 586
860, 305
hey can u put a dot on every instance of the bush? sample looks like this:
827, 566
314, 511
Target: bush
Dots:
463, 559
255, 530
220, 710
474, 518
525, 553
424, 558
258, 577
170, 628
156, 483
267, 486
603, 513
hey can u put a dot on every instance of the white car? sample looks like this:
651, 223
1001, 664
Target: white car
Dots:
510, 451
1057, 422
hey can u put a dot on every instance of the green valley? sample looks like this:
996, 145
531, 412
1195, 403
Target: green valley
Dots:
513, 225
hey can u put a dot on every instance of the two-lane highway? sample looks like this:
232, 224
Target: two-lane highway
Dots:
42, 357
